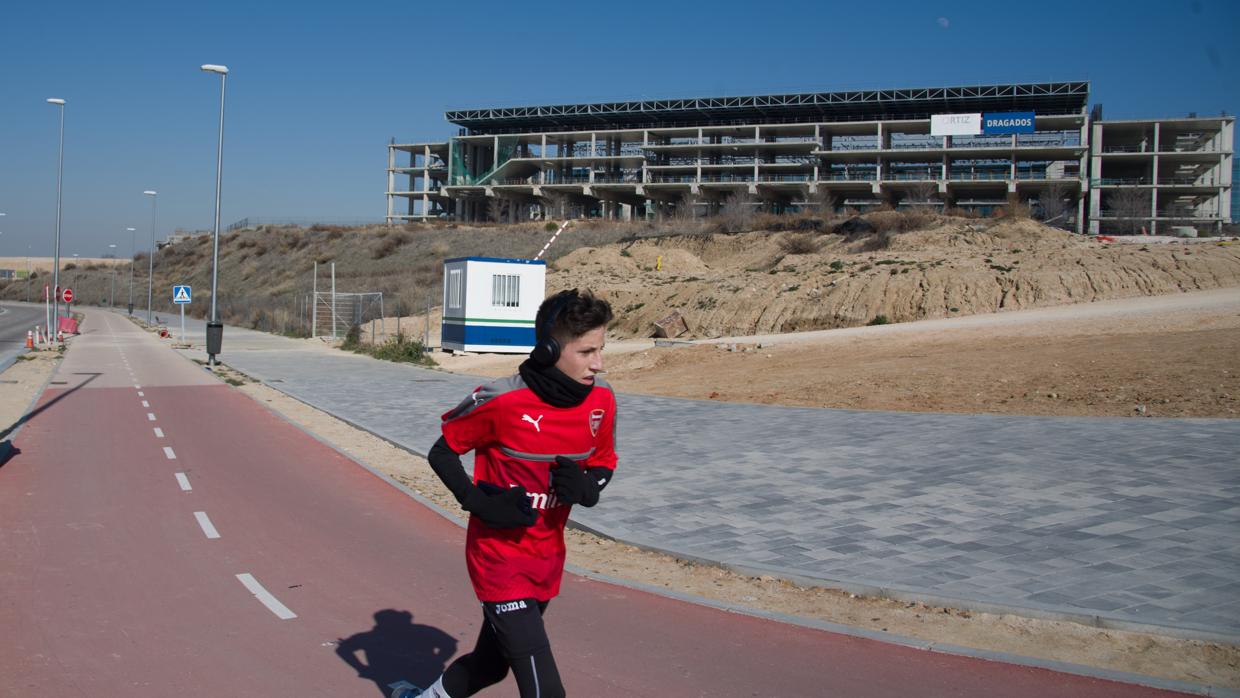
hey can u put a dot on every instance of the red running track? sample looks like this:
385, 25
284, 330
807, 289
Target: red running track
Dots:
111, 587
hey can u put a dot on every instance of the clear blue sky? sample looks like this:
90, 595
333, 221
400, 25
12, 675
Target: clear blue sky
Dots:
318, 88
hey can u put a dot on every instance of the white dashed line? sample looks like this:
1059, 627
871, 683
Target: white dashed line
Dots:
183, 482
159, 433
145, 403
272, 603
141, 394
137, 387
150, 416
168, 452
205, 523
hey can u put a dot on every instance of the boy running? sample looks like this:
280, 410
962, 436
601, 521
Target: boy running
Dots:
544, 440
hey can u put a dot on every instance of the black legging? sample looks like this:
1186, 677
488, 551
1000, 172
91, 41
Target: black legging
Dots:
508, 640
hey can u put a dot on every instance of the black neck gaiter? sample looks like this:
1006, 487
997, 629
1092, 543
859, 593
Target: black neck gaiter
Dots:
552, 386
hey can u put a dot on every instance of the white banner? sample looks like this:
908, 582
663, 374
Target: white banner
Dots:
955, 124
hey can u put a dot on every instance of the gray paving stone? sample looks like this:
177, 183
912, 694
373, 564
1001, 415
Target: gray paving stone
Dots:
1136, 520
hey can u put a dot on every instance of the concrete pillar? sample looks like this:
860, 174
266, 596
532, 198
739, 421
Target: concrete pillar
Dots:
699, 156
391, 181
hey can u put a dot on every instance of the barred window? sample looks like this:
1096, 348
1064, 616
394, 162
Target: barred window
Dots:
505, 290
454, 288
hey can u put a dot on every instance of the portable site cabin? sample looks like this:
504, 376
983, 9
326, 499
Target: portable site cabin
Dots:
489, 304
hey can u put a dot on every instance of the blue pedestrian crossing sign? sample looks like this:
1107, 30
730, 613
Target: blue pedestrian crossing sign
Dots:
181, 294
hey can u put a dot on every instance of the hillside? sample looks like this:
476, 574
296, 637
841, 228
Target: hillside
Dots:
907, 267
760, 283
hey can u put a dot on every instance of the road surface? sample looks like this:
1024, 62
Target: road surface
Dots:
163, 534
16, 319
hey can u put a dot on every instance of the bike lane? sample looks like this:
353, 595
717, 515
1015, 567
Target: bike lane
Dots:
118, 580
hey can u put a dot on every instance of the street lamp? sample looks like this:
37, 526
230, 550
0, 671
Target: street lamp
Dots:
60, 171
133, 241
150, 266
112, 285
215, 330
73, 282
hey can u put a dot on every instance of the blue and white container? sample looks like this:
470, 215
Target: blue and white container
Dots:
489, 304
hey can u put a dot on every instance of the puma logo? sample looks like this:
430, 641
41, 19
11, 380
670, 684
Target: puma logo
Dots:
531, 420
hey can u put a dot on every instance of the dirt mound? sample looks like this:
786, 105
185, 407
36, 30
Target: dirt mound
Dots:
750, 283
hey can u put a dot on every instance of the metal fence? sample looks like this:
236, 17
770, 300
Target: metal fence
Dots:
335, 312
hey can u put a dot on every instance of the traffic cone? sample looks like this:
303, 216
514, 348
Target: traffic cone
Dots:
29, 339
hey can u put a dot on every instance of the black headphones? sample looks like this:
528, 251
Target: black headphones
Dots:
546, 349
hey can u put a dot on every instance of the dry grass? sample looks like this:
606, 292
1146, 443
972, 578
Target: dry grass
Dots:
266, 274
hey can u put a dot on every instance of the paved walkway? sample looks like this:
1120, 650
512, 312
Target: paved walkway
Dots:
1125, 521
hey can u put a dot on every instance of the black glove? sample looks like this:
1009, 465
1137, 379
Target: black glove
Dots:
499, 507
573, 485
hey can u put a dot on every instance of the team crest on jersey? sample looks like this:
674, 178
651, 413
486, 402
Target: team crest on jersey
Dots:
596, 421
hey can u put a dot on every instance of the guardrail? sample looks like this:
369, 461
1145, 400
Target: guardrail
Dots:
849, 176
979, 176
783, 178
1119, 181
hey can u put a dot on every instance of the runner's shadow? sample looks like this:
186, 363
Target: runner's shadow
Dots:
397, 649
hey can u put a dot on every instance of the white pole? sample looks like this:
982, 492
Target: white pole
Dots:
182, 322
314, 303
150, 262
60, 176
219, 171
333, 300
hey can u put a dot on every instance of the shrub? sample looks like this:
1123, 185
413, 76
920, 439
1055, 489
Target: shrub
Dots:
386, 245
69, 267
551, 227
352, 338
400, 348
879, 320
798, 243
837, 265
898, 221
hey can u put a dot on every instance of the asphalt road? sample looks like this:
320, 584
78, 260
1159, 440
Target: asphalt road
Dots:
16, 319
163, 534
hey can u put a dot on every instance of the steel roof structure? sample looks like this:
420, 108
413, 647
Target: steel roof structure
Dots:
859, 105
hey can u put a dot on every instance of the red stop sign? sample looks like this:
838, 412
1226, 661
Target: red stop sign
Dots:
68, 295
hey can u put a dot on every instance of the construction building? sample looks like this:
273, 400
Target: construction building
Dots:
974, 148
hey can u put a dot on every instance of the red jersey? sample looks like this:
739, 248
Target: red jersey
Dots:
516, 437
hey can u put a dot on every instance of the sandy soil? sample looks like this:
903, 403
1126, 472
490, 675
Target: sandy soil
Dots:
44, 264
1184, 660
1171, 356
757, 283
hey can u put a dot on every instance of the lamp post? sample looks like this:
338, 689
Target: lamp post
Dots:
215, 330
112, 285
60, 171
71, 283
133, 241
150, 266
